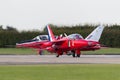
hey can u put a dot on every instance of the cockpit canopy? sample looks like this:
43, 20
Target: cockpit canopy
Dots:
41, 38
38, 38
75, 36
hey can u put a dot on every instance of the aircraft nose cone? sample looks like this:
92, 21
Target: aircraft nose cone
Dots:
92, 43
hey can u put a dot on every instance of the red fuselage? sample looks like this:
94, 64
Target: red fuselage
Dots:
66, 44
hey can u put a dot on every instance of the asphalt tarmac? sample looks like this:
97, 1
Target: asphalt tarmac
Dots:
51, 59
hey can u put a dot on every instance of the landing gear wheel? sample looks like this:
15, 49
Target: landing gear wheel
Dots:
78, 55
57, 55
40, 52
73, 53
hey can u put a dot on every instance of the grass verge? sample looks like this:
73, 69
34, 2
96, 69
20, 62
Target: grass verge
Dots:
25, 51
17, 51
61, 72
104, 51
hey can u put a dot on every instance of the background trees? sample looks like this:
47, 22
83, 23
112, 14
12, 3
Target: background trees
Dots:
110, 37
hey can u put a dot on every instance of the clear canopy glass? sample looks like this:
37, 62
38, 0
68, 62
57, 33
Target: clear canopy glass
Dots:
41, 37
75, 36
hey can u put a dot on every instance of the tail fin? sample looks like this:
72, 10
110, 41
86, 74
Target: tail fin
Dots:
50, 34
96, 34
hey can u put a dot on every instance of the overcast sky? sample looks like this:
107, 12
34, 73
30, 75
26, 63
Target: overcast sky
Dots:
35, 14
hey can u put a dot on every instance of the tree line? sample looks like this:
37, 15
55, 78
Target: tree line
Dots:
110, 37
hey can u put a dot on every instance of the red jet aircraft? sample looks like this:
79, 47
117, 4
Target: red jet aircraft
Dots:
40, 43
74, 43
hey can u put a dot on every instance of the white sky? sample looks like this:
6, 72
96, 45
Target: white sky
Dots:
35, 14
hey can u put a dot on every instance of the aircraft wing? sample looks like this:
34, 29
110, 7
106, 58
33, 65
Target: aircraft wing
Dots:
58, 42
30, 44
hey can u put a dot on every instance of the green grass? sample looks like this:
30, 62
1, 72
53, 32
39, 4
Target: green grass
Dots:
61, 72
17, 51
104, 51
22, 51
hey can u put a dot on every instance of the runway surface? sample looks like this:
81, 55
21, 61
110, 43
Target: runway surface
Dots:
51, 59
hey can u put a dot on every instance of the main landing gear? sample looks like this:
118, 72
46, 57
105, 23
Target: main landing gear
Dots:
59, 53
76, 53
40, 52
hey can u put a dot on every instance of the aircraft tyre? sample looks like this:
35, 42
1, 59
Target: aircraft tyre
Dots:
57, 55
40, 52
73, 53
78, 55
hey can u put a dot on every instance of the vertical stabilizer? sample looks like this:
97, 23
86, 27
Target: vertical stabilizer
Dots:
50, 34
96, 34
